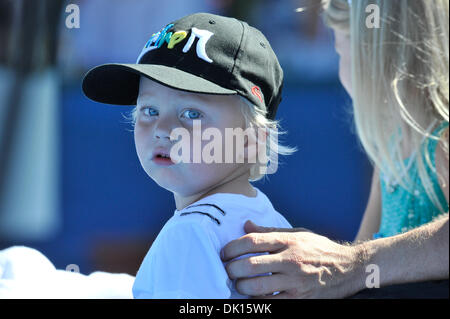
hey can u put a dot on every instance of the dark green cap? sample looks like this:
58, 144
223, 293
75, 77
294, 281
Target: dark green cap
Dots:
200, 53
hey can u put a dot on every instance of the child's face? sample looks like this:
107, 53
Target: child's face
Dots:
160, 110
342, 44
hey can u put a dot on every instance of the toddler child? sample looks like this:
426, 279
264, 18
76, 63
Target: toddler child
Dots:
200, 78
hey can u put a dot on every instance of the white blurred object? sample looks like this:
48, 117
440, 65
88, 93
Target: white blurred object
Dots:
27, 274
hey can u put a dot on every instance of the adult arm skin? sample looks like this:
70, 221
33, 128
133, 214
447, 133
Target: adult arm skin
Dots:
418, 255
305, 265
406, 257
372, 216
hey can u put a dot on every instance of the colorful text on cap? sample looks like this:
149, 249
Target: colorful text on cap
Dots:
172, 39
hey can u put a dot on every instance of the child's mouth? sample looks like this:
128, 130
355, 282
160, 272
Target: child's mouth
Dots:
162, 159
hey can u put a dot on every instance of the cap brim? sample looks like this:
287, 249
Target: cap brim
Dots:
119, 83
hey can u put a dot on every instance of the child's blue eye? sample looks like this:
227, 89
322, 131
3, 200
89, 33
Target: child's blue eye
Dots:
192, 114
148, 111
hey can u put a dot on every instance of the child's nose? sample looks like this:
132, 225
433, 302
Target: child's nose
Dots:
163, 128
161, 133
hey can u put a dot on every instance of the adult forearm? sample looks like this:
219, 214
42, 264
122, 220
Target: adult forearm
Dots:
418, 255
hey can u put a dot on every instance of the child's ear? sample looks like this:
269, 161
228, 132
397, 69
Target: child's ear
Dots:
255, 142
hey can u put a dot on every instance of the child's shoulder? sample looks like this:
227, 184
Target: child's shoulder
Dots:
212, 215
223, 215
204, 213
221, 209
200, 220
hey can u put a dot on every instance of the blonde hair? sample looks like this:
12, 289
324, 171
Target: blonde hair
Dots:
399, 79
255, 118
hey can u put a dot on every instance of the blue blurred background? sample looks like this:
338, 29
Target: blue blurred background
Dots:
71, 184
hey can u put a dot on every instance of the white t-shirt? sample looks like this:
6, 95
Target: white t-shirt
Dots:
184, 260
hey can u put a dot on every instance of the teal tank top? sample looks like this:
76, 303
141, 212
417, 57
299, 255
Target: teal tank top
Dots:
403, 209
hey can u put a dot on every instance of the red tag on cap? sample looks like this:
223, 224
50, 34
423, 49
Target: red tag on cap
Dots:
256, 91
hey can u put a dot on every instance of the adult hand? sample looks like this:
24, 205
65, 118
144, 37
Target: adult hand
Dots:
303, 264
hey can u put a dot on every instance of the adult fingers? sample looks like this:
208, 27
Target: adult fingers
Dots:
254, 265
251, 244
263, 285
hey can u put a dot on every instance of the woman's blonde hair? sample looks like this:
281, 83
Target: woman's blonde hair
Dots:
399, 79
255, 118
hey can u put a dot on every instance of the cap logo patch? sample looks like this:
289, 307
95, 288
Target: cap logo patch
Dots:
256, 91
172, 39
203, 36
176, 38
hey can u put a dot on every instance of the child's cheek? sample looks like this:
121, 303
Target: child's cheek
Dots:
141, 141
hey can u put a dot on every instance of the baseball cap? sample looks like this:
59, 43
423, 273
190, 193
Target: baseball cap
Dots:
199, 53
